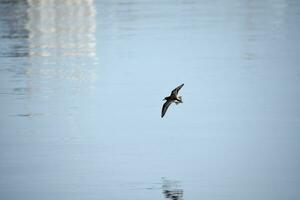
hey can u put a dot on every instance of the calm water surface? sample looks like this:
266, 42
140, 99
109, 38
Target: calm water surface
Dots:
81, 89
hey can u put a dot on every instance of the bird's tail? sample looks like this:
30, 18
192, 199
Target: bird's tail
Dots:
179, 100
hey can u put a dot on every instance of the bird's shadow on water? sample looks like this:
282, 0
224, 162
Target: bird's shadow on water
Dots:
171, 189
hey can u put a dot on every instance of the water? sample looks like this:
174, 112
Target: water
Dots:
81, 89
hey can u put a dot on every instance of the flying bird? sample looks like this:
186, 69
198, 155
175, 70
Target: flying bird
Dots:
170, 99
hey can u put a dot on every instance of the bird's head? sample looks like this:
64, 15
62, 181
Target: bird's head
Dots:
166, 98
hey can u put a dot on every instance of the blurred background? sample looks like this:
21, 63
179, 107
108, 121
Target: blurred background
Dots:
81, 89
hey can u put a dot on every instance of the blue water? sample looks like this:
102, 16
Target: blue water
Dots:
81, 89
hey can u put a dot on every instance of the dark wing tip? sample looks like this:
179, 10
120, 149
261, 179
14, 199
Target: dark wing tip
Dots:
162, 113
165, 108
176, 90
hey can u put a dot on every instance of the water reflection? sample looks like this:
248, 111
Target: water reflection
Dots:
48, 48
13, 32
61, 28
171, 189
62, 40
65, 133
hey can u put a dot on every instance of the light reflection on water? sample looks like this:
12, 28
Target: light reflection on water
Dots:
61, 39
81, 84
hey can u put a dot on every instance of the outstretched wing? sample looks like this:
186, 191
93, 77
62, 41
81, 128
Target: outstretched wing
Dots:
165, 108
176, 90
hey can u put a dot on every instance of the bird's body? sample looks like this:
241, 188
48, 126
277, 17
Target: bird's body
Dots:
170, 99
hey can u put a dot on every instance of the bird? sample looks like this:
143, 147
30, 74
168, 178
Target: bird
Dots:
170, 99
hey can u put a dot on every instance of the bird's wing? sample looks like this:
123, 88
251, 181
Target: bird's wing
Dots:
165, 108
176, 90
